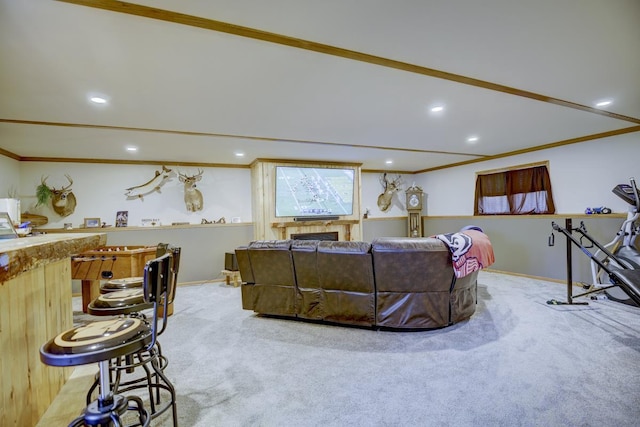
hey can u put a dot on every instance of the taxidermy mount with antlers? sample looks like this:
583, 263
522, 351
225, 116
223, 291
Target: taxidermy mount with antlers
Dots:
63, 201
192, 196
390, 186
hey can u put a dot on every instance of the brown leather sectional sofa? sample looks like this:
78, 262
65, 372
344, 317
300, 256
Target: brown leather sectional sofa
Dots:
399, 283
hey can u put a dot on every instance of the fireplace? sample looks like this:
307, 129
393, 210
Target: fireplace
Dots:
332, 235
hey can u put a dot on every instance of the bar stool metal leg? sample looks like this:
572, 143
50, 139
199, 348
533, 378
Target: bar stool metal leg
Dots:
108, 408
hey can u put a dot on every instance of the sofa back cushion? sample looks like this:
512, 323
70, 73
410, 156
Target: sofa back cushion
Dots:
275, 286
305, 262
412, 264
345, 275
271, 262
414, 277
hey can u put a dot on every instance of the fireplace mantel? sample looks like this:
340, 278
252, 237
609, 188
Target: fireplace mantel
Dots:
344, 228
314, 223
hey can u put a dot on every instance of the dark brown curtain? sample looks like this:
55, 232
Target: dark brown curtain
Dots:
490, 185
527, 192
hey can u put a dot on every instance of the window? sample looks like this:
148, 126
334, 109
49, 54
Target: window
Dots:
523, 191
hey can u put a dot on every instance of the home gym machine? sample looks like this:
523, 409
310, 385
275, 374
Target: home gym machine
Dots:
616, 265
623, 246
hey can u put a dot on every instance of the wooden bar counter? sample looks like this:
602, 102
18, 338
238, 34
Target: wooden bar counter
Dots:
35, 305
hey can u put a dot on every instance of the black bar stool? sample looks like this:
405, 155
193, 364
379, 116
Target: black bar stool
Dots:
127, 283
129, 302
103, 341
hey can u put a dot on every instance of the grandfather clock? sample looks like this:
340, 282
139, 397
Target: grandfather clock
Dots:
415, 197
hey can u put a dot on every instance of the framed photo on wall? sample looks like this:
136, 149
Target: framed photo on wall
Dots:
92, 222
122, 218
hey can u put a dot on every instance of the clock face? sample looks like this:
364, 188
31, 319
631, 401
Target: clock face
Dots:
414, 201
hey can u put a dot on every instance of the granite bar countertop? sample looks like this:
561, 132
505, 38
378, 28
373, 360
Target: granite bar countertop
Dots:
26, 253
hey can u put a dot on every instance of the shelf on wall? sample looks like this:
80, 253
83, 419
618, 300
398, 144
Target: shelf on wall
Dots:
285, 224
157, 227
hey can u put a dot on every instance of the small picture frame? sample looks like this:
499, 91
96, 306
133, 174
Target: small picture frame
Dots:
92, 223
7, 231
122, 218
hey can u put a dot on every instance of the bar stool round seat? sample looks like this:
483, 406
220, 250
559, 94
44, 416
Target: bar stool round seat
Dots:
97, 341
118, 302
115, 285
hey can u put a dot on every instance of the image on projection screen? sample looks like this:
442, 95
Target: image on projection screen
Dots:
306, 191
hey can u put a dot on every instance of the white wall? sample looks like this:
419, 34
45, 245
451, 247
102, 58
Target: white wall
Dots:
100, 192
582, 175
371, 189
9, 176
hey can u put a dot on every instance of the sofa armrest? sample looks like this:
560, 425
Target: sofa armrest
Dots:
244, 264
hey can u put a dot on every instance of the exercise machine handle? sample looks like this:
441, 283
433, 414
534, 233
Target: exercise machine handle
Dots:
632, 180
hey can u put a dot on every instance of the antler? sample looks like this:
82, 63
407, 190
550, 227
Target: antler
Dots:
198, 175
70, 183
383, 180
395, 183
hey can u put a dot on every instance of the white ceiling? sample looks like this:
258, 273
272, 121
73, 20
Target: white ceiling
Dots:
181, 93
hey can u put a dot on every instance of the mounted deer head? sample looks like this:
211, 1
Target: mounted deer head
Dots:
63, 200
192, 196
390, 186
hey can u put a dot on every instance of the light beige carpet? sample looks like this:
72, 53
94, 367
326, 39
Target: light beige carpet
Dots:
516, 362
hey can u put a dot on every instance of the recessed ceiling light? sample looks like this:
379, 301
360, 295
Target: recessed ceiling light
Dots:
132, 149
603, 103
437, 109
239, 154
472, 139
98, 100
389, 162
